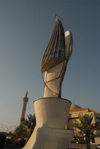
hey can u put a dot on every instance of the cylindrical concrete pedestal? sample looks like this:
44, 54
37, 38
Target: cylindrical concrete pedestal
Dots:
51, 117
51, 112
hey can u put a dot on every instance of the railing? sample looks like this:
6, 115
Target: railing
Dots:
80, 146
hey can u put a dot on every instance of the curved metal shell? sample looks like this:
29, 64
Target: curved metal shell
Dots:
55, 51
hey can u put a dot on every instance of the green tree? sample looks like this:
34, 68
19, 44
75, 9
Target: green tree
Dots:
86, 127
23, 132
30, 123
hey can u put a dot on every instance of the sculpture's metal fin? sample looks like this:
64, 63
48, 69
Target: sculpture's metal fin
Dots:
55, 51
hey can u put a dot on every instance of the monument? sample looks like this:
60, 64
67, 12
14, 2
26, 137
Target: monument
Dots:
52, 111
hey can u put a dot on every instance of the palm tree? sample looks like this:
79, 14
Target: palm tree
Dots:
86, 127
30, 123
18, 137
22, 132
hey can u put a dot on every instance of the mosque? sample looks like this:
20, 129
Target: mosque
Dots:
76, 110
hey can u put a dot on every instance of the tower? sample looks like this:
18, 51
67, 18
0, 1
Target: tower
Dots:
25, 100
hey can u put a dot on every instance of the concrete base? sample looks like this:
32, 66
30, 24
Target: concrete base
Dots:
51, 117
47, 138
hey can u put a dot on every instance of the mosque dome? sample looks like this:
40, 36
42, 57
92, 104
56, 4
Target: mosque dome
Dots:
74, 107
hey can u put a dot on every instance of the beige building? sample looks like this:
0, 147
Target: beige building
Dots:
76, 110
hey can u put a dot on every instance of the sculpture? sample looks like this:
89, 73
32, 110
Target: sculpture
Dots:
52, 111
55, 59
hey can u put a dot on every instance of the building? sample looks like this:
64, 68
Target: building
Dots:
76, 110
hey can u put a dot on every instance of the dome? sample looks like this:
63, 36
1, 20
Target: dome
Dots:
74, 107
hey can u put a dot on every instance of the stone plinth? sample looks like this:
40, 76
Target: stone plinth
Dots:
51, 117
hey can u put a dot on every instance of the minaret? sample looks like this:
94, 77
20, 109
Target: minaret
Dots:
25, 100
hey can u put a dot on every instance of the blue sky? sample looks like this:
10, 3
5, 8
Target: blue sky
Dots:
25, 29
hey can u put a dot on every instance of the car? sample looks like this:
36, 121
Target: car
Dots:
98, 146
